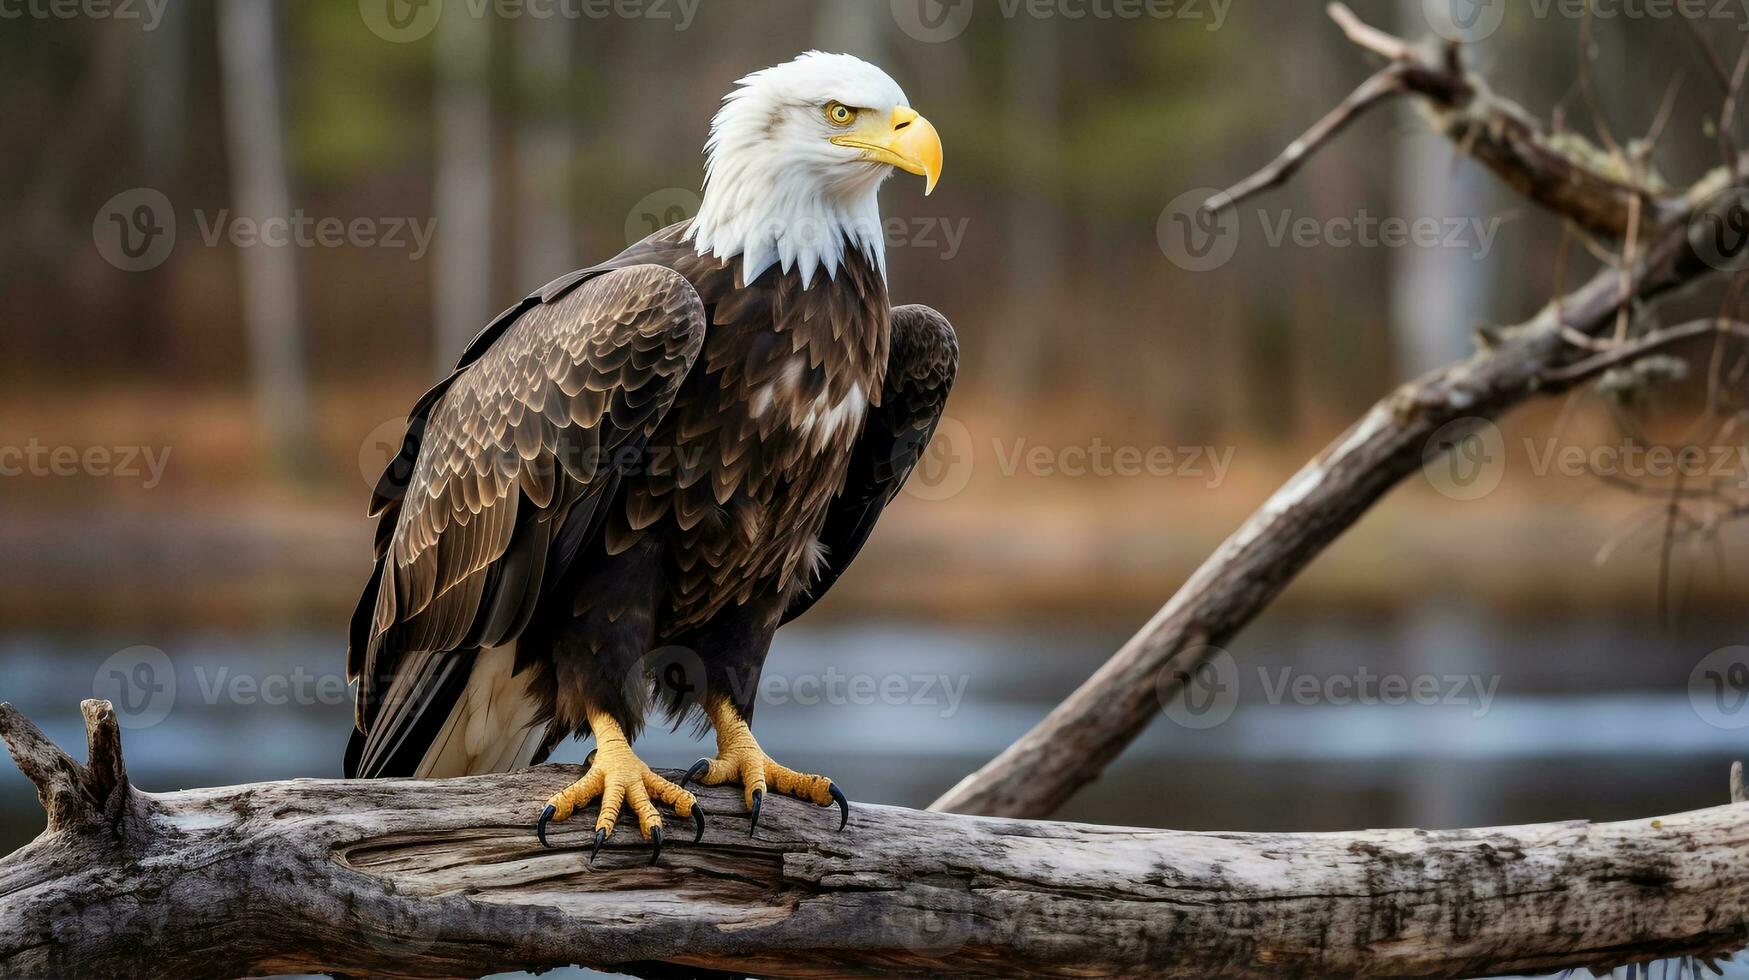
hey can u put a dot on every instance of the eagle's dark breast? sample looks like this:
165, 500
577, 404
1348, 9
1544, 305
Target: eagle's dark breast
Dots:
742, 471
714, 531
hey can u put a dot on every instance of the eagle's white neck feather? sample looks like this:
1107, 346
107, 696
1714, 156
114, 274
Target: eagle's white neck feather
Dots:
777, 191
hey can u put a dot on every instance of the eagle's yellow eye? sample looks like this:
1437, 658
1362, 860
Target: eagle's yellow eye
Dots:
839, 114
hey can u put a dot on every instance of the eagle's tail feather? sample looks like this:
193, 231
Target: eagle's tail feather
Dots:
494, 726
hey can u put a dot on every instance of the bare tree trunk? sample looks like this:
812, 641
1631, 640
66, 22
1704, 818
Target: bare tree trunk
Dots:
254, 130
1437, 294
462, 278
160, 94
1034, 241
545, 241
851, 26
444, 878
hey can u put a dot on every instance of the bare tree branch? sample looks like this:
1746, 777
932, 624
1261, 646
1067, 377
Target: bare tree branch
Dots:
1073, 744
1565, 176
1370, 37
444, 878
1387, 82
1651, 343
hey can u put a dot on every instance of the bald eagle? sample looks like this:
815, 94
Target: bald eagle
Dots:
681, 448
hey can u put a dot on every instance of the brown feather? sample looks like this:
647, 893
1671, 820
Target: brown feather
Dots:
490, 434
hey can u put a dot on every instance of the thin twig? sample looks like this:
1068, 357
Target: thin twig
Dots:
1622, 535
1368, 36
1672, 511
1643, 153
1627, 263
1627, 485
1640, 347
1591, 103
1728, 113
1382, 85
1585, 341
1712, 57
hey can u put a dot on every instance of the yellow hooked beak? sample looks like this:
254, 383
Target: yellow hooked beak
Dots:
906, 141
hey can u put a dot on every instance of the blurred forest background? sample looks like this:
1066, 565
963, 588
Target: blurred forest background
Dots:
269, 383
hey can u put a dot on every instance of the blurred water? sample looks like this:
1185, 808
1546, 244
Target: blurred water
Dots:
1523, 721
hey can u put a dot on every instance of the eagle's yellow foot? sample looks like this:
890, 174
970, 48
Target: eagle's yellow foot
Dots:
618, 777
740, 759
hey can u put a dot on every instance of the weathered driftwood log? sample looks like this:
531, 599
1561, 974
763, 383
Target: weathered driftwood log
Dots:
444, 878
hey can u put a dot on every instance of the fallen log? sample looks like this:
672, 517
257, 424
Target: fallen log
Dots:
444, 878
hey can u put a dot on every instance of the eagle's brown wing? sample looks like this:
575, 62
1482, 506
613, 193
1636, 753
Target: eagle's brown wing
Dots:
516, 445
924, 356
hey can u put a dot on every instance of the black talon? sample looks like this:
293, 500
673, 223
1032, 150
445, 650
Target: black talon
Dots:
698, 818
656, 843
753, 824
843, 804
540, 826
600, 839
697, 770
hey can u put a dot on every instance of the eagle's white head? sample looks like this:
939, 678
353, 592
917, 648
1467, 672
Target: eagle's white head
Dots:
794, 162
